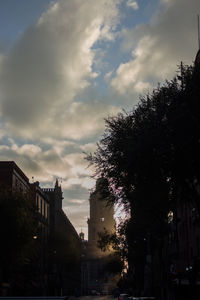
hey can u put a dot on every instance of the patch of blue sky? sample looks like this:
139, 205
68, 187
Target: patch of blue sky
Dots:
4, 141
109, 57
132, 17
111, 53
7, 141
16, 16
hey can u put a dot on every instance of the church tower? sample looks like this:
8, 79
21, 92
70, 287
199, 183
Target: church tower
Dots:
95, 276
101, 217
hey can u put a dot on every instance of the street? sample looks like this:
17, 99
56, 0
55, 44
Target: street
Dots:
106, 297
101, 297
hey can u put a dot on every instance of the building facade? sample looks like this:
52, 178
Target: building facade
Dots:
64, 247
94, 274
56, 242
13, 178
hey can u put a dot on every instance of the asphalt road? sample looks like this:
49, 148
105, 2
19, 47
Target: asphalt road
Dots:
102, 297
107, 297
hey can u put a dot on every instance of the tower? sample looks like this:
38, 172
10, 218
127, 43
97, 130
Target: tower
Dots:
96, 276
101, 217
81, 235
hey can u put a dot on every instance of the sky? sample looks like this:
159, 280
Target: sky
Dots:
66, 65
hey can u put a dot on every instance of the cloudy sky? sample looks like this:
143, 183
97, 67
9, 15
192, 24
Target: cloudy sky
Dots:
65, 65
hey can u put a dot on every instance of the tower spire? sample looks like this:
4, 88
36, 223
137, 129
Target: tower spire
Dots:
56, 184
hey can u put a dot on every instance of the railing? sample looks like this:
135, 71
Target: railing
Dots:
48, 189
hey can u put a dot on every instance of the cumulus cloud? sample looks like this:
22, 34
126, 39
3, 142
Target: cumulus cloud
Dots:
52, 63
84, 182
57, 159
82, 119
26, 149
47, 162
88, 147
35, 162
77, 201
76, 160
26, 161
157, 48
45, 77
133, 4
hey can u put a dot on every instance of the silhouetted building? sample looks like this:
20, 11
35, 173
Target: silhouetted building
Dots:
41, 203
81, 235
55, 197
64, 247
57, 244
12, 177
94, 273
101, 217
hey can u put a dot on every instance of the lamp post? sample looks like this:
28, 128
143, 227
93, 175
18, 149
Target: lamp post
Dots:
41, 260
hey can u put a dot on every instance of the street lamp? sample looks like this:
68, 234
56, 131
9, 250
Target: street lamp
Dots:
41, 254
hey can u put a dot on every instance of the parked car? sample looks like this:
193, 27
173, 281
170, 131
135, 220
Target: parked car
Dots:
123, 297
95, 293
105, 292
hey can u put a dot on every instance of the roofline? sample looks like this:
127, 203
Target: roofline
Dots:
14, 166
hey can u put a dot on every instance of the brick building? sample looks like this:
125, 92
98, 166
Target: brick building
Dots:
57, 243
12, 177
64, 247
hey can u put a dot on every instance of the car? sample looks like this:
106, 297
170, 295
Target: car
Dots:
94, 293
104, 292
116, 293
123, 297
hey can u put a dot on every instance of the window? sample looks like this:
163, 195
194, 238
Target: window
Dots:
39, 209
44, 210
47, 211
37, 202
41, 206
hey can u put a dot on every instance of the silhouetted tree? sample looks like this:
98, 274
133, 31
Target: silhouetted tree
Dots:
150, 157
18, 250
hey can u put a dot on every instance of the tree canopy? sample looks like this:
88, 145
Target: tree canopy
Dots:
18, 227
150, 155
